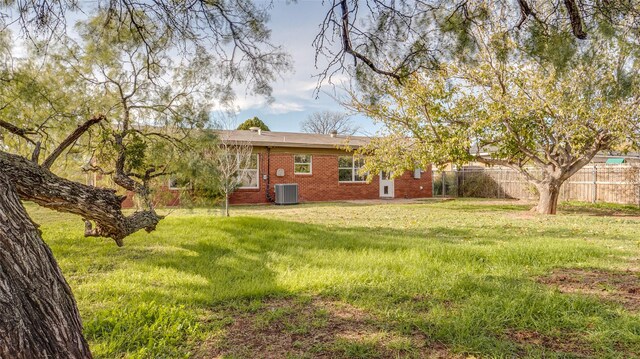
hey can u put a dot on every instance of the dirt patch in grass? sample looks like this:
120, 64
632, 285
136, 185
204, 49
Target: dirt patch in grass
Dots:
314, 328
622, 287
566, 344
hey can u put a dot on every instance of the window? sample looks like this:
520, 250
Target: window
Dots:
302, 164
349, 168
249, 175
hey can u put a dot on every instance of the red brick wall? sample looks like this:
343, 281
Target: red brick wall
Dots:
322, 184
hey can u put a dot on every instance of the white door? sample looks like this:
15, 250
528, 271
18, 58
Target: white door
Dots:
386, 185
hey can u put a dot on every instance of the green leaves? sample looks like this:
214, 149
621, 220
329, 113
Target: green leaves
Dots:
253, 122
135, 148
509, 108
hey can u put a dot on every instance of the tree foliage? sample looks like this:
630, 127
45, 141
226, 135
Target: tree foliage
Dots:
197, 171
544, 121
393, 39
253, 122
540, 83
122, 95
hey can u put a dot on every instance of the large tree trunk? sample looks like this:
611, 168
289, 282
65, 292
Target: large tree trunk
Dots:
549, 193
39, 317
101, 206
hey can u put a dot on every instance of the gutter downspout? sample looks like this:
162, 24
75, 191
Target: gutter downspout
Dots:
268, 192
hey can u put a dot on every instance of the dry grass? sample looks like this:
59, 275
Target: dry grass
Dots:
313, 327
621, 287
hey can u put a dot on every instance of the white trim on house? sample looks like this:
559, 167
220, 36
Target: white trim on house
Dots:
310, 163
293, 139
354, 171
387, 184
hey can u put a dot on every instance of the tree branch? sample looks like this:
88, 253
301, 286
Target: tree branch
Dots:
348, 48
577, 25
21, 132
517, 167
101, 206
72, 138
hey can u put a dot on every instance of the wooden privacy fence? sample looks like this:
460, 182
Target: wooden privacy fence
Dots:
593, 183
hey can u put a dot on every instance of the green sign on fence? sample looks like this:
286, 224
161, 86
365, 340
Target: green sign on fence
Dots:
614, 161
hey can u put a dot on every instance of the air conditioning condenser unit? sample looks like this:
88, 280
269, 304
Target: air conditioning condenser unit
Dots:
286, 193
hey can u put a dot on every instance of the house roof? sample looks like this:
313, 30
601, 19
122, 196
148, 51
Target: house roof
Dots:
292, 139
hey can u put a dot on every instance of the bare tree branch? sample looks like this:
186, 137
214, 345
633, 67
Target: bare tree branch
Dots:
71, 139
326, 122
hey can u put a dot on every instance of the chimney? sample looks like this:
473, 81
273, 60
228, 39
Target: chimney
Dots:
334, 133
256, 129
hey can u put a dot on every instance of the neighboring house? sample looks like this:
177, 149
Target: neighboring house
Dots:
320, 166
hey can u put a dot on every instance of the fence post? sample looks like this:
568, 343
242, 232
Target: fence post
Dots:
444, 185
433, 184
595, 184
637, 183
462, 184
502, 183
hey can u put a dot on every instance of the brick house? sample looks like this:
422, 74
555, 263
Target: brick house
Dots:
323, 170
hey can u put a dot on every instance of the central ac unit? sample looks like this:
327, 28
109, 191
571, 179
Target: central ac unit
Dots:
286, 193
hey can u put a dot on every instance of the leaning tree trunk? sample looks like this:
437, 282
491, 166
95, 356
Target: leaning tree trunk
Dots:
101, 206
39, 317
549, 193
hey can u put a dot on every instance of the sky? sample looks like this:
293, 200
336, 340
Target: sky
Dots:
294, 26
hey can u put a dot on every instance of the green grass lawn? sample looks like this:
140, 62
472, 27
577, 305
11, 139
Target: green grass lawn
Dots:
433, 279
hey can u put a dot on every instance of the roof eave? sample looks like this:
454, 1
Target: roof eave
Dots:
299, 145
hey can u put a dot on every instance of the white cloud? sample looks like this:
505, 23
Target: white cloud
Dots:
279, 108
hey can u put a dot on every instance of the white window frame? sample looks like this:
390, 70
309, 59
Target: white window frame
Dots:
257, 169
354, 171
310, 163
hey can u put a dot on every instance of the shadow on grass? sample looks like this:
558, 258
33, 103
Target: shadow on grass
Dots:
487, 205
460, 289
600, 209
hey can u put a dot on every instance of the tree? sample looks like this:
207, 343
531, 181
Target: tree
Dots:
115, 109
327, 122
23, 251
197, 170
232, 159
394, 48
394, 39
253, 122
545, 122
